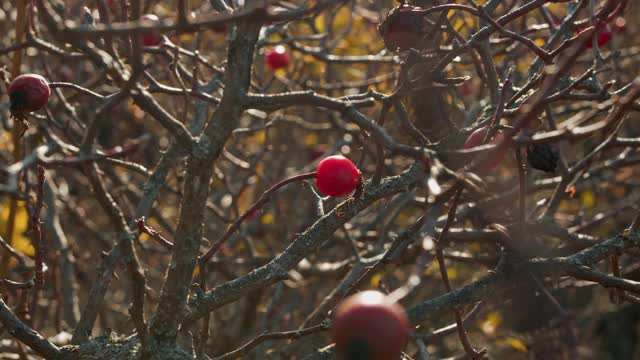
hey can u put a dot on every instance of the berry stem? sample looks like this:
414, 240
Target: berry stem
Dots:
616, 295
39, 245
522, 176
462, 333
377, 176
265, 198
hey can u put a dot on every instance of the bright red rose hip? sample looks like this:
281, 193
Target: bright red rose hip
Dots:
368, 325
28, 92
602, 37
277, 58
151, 39
337, 176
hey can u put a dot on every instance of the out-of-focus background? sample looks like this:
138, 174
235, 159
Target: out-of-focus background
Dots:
563, 318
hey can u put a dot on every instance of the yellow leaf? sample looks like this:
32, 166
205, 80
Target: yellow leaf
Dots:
557, 9
20, 241
514, 343
23, 245
257, 138
449, 99
490, 323
245, 199
135, 110
342, 19
452, 273
523, 66
588, 199
314, 66
260, 247
375, 280
274, 37
311, 139
5, 141
186, 38
267, 219
260, 169
474, 246
403, 219
319, 23
568, 207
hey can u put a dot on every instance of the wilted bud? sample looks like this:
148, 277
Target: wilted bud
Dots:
543, 157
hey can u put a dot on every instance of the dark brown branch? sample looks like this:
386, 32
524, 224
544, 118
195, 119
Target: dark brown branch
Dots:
16, 328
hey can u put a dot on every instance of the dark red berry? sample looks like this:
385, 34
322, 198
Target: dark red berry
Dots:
151, 39
543, 157
476, 139
403, 28
277, 58
109, 3
466, 90
337, 176
369, 326
603, 37
28, 92
218, 28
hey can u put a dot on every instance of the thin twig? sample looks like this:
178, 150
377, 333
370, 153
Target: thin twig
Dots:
464, 338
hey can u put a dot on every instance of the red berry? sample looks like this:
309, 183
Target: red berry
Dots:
151, 39
620, 24
466, 90
109, 3
476, 139
337, 176
29, 92
277, 58
603, 37
368, 325
403, 27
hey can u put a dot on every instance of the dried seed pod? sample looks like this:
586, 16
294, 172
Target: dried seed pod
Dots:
543, 157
